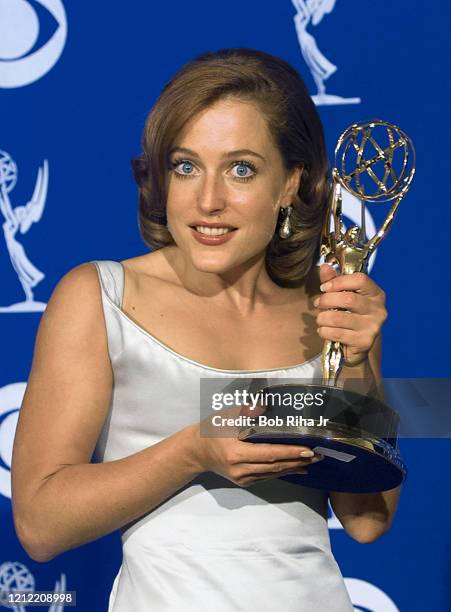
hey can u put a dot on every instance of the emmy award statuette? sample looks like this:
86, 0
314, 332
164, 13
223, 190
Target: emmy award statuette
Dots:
356, 433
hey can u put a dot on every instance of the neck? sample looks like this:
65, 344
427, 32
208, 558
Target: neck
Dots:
241, 289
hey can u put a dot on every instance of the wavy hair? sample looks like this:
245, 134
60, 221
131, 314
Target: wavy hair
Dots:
279, 92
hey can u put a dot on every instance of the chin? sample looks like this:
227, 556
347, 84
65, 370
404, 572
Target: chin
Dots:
216, 264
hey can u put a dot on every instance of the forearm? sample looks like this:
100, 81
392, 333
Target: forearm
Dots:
365, 516
80, 503
363, 378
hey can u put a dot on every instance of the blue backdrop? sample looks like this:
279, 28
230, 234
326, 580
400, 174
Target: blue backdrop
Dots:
76, 82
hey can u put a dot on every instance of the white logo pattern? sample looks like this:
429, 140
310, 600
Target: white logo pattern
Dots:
11, 397
367, 596
19, 30
20, 219
312, 12
15, 576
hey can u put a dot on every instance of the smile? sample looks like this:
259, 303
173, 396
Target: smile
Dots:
212, 231
212, 235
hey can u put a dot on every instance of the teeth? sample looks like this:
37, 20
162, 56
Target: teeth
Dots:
212, 231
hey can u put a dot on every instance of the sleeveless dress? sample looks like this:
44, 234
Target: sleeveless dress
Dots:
212, 546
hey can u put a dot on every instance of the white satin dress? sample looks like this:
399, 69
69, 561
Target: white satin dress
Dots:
213, 546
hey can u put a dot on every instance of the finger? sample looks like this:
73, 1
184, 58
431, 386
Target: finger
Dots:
337, 334
271, 453
279, 466
275, 474
271, 475
353, 282
326, 273
342, 319
348, 300
267, 475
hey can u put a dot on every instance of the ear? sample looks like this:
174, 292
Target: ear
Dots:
293, 183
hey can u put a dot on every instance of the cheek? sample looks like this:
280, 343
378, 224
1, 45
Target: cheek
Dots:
257, 213
262, 208
173, 191
178, 204
257, 230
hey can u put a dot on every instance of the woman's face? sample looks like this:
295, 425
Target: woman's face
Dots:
226, 170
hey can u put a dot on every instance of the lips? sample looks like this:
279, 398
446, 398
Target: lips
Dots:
218, 225
211, 239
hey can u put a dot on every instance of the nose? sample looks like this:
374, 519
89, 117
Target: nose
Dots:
211, 197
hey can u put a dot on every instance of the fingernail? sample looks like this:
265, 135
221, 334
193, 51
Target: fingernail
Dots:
316, 302
317, 458
307, 453
325, 286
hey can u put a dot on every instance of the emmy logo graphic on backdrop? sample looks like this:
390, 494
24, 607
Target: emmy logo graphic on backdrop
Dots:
312, 11
21, 218
15, 577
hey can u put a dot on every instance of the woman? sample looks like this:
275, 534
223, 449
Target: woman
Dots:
230, 290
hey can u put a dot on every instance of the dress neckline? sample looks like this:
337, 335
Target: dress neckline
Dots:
198, 364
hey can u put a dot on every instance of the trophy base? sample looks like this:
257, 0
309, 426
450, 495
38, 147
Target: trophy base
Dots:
357, 439
350, 465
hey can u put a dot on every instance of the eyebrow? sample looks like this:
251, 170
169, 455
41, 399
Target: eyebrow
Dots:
224, 155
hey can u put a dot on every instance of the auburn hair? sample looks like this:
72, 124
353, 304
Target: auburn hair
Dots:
279, 92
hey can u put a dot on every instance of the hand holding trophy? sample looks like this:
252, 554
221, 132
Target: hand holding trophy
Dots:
350, 249
356, 433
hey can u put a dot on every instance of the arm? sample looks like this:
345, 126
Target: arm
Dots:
59, 499
366, 516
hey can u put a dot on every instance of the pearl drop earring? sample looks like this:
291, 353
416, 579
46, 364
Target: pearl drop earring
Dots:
285, 228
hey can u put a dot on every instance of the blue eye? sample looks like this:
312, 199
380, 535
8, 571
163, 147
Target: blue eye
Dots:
187, 167
242, 169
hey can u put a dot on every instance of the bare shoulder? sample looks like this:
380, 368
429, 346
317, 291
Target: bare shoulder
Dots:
72, 328
74, 311
69, 387
81, 281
